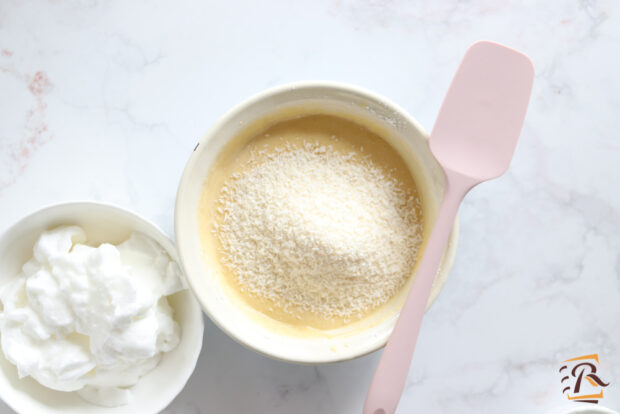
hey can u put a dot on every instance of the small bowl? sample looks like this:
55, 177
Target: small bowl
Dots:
581, 409
102, 223
234, 317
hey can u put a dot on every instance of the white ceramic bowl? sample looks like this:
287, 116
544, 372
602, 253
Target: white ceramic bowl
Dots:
102, 223
581, 408
232, 316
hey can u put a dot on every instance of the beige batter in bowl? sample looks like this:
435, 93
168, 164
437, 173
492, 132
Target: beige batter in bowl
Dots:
239, 320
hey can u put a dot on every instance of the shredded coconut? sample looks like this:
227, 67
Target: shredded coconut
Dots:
317, 231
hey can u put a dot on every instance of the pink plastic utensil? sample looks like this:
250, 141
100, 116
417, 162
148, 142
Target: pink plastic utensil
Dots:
473, 140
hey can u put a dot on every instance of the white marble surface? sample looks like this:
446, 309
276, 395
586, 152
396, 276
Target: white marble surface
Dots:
105, 100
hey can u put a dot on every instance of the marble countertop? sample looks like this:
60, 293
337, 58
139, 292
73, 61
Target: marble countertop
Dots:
105, 100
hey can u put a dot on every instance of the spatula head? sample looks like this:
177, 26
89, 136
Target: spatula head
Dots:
481, 117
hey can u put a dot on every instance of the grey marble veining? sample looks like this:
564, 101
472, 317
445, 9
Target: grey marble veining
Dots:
105, 100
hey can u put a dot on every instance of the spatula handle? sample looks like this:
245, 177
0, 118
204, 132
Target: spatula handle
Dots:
391, 374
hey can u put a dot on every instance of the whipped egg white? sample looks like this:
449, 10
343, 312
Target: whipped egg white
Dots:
90, 319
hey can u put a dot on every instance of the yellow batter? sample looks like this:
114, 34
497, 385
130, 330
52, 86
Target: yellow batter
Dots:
345, 136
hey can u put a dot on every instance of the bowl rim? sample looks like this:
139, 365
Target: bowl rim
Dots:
447, 259
166, 243
583, 410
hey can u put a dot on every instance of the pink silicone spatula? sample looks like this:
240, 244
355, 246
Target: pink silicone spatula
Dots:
473, 140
